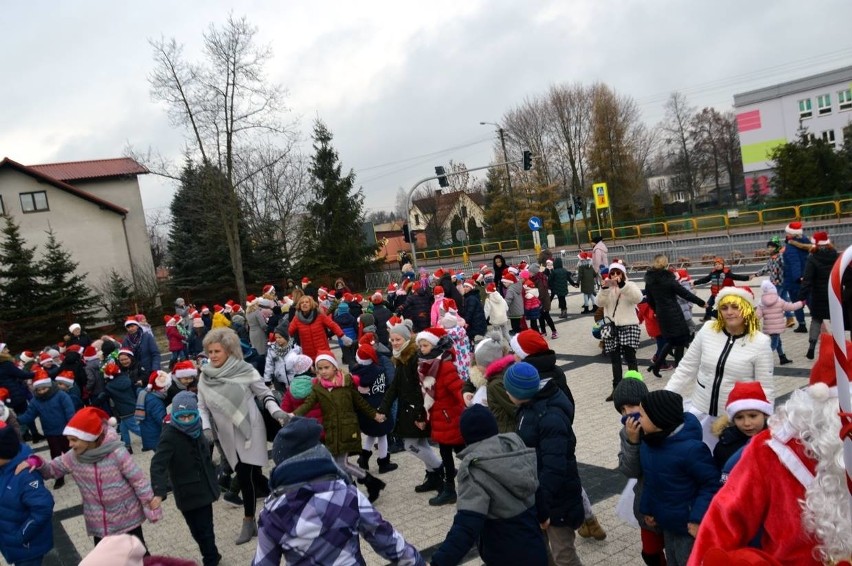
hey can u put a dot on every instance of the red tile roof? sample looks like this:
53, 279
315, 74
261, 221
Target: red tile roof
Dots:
32, 172
97, 169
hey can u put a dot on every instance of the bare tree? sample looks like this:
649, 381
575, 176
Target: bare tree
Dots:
681, 139
401, 205
157, 223
224, 103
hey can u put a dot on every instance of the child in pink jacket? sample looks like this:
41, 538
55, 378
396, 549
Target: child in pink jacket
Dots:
771, 309
116, 492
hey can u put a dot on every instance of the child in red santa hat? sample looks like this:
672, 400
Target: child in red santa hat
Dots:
746, 415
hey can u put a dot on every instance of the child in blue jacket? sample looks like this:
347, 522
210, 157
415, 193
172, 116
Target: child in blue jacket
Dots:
54, 408
151, 409
26, 531
680, 475
349, 324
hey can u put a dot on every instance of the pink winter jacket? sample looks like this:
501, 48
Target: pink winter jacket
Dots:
771, 310
115, 491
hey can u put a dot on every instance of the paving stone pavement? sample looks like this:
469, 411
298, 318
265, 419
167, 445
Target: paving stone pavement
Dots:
596, 426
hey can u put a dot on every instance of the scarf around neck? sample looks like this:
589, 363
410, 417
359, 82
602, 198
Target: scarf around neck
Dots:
307, 319
225, 387
192, 428
338, 381
94, 455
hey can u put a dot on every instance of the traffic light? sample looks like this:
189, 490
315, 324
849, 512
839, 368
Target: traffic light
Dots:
406, 233
442, 176
527, 160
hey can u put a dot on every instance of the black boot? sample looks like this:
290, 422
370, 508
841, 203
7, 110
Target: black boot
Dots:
801, 329
374, 487
447, 495
58, 483
434, 481
395, 445
653, 559
811, 348
385, 465
785, 360
364, 460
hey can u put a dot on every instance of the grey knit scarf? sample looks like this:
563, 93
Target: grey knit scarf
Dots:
225, 387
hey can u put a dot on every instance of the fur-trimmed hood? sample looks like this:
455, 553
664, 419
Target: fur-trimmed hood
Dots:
497, 367
410, 351
477, 378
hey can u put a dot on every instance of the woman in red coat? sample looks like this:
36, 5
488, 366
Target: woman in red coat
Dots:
309, 328
442, 398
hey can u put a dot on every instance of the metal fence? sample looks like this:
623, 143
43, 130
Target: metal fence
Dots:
381, 279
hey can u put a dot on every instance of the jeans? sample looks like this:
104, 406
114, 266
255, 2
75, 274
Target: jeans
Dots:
128, 425
791, 293
775, 343
678, 547
200, 523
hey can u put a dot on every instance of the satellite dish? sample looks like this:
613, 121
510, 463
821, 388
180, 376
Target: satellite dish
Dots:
461, 235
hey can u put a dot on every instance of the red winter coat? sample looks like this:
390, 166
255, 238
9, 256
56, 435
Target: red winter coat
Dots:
290, 404
175, 339
649, 317
445, 414
313, 337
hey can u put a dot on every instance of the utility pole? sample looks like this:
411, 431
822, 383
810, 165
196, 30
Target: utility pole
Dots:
509, 185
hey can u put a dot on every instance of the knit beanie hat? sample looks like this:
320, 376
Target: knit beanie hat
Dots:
534, 268
327, 356
125, 549
768, 287
301, 385
521, 381
9, 443
489, 350
629, 390
301, 364
664, 408
477, 423
528, 342
185, 401
295, 437
400, 327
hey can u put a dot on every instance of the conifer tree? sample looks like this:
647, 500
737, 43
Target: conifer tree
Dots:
67, 297
22, 312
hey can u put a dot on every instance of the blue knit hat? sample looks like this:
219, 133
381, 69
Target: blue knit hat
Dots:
477, 423
521, 381
295, 437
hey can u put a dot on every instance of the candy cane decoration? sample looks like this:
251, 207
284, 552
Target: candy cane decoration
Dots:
835, 303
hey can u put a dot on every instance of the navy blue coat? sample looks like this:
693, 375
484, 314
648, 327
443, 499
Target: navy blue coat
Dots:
418, 309
544, 423
152, 426
680, 478
26, 530
374, 378
54, 412
474, 315
12, 378
794, 263
382, 314
122, 395
146, 353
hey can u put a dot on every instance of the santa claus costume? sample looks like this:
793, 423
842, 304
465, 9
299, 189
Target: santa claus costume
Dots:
789, 486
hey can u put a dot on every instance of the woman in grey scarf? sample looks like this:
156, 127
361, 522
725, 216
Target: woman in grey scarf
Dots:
227, 391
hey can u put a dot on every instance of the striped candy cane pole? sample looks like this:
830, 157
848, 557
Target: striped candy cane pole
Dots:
841, 360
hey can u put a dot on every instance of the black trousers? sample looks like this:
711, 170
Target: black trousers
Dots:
446, 452
562, 302
615, 359
249, 477
546, 318
200, 523
137, 532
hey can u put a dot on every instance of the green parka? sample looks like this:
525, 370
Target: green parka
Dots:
559, 278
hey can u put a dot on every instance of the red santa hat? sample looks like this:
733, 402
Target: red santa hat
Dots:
159, 381
393, 321
491, 288
359, 298
131, 322
169, 320
348, 297
126, 352
820, 239
368, 338
229, 303
27, 356
548, 263
205, 309
439, 273
268, 290
5, 396
483, 268
511, 269
794, 229
366, 355
522, 265
41, 379
529, 284
66, 377
432, 335
683, 275
528, 342
438, 291
748, 396
327, 356
89, 354
218, 308
87, 424
45, 359
745, 293
236, 308
823, 373
377, 298
392, 287
74, 348
508, 278
305, 280
250, 299
471, 283
184, 369
322, 292
111, 369
450, 306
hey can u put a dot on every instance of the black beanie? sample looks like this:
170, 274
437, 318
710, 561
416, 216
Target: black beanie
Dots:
629, 391
9, 443
664, 408
298, 435
477, 423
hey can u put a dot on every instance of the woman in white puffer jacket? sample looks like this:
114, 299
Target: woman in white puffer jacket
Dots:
730, 349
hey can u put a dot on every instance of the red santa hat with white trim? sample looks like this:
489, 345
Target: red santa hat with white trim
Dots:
527, 342
90, 353
268, 290
66, 377
823, 372
748, 396
41, 379
392, 287
432, 335
159, 381
27, 356
508, 278
820, 239
88, 424
184, 369
794, 229
305, 280
366, 355
45, 359
491, 288
377, 298
744, 293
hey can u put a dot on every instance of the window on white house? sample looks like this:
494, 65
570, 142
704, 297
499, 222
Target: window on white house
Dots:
662, 185
2, 206
680, 196
34, 202
824, 104
805, 108
828, 137
416, 219
844, 99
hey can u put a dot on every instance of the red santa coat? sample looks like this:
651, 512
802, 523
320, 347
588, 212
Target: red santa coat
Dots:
760, 492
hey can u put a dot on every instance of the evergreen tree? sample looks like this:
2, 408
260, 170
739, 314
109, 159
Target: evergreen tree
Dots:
22, 312
116, 298
66, 296
498, 211
334, 240
808, 168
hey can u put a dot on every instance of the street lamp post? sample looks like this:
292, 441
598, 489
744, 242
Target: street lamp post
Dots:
502, 134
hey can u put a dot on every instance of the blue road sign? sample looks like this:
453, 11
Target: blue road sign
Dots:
535, 223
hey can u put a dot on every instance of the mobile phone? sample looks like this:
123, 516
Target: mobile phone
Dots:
634, 416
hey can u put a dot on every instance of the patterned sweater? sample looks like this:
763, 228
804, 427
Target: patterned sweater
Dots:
115, 490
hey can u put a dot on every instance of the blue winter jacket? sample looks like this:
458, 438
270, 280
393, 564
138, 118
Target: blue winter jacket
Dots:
26, 531
54, 412
544, 423
152, 426
474, 315
122, 395
794, 262
12, 378
146, 353
680, 477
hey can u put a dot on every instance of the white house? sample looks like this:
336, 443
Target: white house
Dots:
442, 213
93, 207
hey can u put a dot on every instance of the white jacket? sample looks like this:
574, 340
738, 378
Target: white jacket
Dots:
496, 309
279, 365
628, 297
715, 361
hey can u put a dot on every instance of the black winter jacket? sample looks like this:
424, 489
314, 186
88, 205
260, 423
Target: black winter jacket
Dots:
545, 364
474, 315
186, 462
12, 378
405, 387
662, 291
418, 307
815, 281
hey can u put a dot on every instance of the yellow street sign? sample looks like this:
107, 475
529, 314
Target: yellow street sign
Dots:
601, 195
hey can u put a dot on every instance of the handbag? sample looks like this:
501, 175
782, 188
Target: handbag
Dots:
608, 328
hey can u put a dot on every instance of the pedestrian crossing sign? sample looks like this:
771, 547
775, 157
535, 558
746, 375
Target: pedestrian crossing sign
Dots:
601, 196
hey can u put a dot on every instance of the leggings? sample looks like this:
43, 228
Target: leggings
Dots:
546, 318
447, 459
615, 360
357, 472
421, 449
247, 476
516, 324
382, 442
563, 304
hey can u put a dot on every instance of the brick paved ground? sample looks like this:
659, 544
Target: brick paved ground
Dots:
596, 426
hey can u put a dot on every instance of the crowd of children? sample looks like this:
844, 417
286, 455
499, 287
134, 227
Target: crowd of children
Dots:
440, 360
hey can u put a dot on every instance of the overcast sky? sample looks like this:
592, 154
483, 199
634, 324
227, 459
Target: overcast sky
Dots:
394, 80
